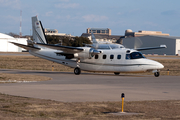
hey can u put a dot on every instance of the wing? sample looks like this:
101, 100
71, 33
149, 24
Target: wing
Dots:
150, 48
25, 46
65, 49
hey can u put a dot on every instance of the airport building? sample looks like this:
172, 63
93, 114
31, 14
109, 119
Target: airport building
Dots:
130, 33
143, 39
104, 31
54, 32
101, 35
5, 46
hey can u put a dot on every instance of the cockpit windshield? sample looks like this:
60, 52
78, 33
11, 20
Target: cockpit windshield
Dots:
134, 55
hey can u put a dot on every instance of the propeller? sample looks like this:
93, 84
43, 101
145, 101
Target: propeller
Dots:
93, 51
95, 43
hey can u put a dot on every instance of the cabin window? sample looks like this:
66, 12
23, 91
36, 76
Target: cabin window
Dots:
96, 56
118, 56
111, 56
104, 56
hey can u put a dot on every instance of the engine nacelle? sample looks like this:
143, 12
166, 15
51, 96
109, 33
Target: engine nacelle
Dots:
87, 53
82, 55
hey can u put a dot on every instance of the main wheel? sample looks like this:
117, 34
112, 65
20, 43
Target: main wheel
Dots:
156, 74
77, 71
116, 73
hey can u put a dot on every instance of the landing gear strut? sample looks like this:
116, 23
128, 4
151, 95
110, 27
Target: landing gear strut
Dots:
156, 74
77, 71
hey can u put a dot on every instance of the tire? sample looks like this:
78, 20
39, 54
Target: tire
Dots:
77, 71
156, 74
116, 73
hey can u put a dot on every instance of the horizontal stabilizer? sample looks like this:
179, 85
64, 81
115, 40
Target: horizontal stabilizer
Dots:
25, 46
66, 49
150, 48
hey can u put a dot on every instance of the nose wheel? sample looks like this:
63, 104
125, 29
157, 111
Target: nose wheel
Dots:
156, 74
77, 71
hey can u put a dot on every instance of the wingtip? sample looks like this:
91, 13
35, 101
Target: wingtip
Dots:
164, 46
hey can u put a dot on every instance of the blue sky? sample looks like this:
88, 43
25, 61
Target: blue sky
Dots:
75, 16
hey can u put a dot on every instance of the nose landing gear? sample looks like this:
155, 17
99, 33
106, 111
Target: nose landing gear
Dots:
156, 74
77, 70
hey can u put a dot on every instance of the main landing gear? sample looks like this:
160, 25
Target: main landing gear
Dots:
116, 73
77, 71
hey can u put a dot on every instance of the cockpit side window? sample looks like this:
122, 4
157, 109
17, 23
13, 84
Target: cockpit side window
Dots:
134, 55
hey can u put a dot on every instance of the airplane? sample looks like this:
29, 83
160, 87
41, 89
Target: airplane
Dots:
95, 57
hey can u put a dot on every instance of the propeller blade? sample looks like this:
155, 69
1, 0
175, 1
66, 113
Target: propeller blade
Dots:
137, 43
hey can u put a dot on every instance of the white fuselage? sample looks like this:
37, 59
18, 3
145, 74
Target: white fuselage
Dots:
114, 60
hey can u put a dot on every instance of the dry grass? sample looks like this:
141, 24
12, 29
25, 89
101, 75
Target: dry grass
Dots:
29, 63
172, 64
13, 107
4, 78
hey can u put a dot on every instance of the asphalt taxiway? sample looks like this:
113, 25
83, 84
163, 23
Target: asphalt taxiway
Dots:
67, 87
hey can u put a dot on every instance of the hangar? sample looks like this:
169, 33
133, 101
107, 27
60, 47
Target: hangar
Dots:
172, 43
5, 46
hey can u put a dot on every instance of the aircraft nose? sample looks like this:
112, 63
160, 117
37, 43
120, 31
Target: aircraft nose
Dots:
160, 66
154, 65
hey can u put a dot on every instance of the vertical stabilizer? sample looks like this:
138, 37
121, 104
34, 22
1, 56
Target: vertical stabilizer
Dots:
38, 31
